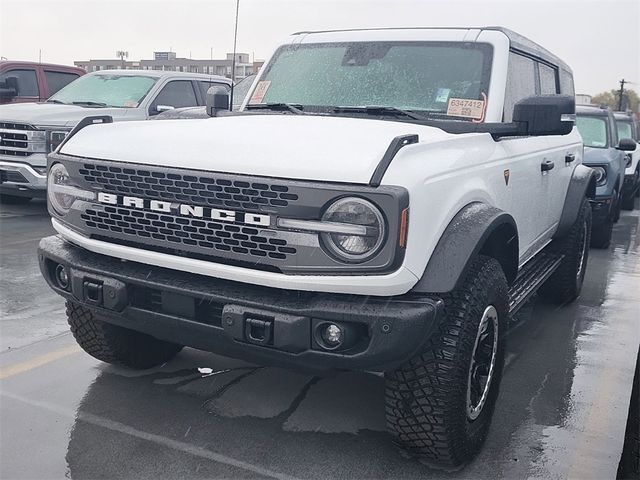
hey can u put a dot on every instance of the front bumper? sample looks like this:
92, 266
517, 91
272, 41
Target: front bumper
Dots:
20, 179
601, 207
214, 315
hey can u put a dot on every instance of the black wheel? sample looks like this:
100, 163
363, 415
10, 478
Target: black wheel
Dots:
13, 199
601, 233
114, 344
439, 404
629, 200
566, 282
617, 206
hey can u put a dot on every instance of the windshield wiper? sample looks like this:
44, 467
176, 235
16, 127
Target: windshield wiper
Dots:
380, 110
53, 100
90, 104
290, 107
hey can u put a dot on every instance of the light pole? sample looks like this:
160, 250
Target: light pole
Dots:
233, 61
122, 54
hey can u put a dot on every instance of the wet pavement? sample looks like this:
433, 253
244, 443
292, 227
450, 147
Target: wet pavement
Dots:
561, 411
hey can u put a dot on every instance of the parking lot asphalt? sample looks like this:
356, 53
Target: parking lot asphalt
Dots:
561, 412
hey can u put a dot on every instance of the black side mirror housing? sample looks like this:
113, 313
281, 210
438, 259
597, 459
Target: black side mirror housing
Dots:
627, 145
545, 115
217, 100
10, 88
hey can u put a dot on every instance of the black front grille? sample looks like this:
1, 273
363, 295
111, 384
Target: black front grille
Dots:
185, 233
12, 138
16, 126
216, 190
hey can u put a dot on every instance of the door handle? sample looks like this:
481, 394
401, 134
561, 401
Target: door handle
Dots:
547, 165
569, 157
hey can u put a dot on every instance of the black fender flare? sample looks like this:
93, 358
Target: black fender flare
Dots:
476, 229
583, 183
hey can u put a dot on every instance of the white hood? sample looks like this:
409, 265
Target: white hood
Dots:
300, 147
53, 114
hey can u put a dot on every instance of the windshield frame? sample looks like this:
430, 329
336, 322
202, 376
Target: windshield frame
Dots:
106, 73
486, 48
607, 133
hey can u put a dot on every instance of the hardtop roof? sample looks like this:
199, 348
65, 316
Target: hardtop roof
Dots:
516, 41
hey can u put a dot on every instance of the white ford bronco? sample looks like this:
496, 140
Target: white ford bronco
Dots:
385, 200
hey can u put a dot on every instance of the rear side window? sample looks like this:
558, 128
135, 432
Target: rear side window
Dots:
593, 130
178, 93
26, 80
57, 80
521, 82
548, 84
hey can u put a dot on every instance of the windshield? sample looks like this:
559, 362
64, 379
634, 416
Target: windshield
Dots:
240, 91
593, 131
417, 76
106, 90
624, 129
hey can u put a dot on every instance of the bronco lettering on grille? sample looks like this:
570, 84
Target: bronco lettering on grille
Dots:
185, 209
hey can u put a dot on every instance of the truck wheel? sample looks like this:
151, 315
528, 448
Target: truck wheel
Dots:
13, 199
617, 207
566, 282
601, 234
439, 404
114, 344
629, 200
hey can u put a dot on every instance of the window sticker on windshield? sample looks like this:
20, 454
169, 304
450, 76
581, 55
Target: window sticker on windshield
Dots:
260, 91
464, 107
443, 95
130, 104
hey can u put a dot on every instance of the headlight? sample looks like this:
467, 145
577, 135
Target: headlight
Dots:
601, 176
54, 139
367, 224
61, 191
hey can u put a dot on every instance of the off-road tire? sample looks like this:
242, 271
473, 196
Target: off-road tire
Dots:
13, 199
566, 282
629, 200
114, 344
426, 398
617, 206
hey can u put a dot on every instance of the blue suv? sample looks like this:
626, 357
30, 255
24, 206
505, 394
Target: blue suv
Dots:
607, 156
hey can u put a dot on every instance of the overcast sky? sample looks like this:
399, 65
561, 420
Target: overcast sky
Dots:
599, 39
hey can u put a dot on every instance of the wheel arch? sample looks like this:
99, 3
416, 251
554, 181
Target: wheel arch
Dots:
582, 184
477, 229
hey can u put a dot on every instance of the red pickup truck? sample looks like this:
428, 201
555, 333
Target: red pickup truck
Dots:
22, 82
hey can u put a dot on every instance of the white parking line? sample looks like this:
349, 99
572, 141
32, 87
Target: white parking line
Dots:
150, 437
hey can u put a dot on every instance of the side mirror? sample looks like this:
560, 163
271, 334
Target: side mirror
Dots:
545, 115
10, 88
627, 145
217, 99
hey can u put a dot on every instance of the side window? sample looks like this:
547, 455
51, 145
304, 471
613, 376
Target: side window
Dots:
204, 86
548, 83
57, 80
178, 93
26, 80
566, 83
521, 82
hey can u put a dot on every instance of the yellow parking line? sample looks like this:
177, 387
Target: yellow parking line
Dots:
39, 361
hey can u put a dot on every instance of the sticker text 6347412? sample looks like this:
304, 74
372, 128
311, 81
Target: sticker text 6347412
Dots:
463, 107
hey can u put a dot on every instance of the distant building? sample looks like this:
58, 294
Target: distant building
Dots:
583, 99
169, 61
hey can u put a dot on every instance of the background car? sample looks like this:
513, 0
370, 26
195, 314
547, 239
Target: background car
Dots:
22, 82
628, 127
32, 130
605, 153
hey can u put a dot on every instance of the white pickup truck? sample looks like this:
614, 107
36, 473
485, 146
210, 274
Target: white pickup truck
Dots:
384, 200
29, 131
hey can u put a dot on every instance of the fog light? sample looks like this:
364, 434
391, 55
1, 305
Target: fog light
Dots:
62, 277
332, 335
